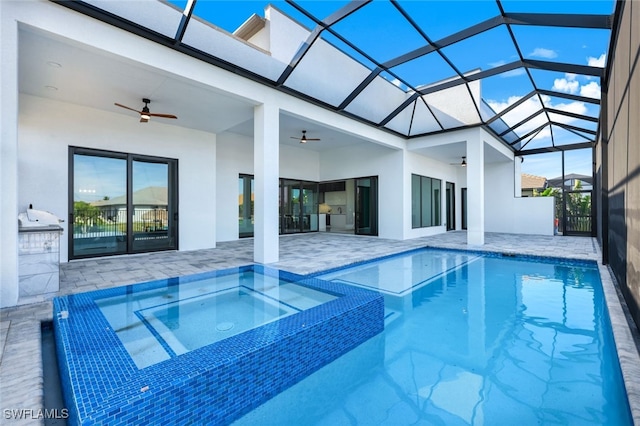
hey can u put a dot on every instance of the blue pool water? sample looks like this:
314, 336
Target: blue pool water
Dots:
162, 322
202, 349
487, 340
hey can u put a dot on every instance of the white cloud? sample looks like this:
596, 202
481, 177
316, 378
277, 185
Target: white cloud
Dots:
541, 52
591, 90
574, 107
597, 62
568, 84
513, 73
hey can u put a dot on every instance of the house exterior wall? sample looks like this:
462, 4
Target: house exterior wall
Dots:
518, 215
37, 133
370, 160
425, 166
618, 162
234, 156
47, 128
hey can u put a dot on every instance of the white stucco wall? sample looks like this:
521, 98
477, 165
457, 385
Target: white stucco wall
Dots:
47, 128
370, 160
506, 213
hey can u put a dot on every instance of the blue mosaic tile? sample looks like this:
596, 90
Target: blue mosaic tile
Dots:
215, 384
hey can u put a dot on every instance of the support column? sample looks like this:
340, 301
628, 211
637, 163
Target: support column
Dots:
266, 163
475, 191
9, 290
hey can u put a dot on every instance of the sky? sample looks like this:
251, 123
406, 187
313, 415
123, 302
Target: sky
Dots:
382, 33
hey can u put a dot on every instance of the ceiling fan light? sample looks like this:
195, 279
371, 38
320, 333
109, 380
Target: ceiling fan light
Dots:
145, 117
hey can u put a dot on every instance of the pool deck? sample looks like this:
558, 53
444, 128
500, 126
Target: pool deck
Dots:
21, 382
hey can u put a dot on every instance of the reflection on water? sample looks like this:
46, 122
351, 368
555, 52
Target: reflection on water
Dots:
496, 341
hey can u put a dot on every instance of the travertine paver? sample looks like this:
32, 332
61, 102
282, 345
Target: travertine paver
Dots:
20, 347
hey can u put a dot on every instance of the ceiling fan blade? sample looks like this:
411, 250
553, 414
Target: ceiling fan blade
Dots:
293, 137
313, 139
126, 107
153, 114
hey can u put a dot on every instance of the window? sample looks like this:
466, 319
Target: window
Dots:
425, 201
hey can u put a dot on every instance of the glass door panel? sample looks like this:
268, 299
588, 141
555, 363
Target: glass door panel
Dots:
463, 196
367, 206
451, 206
309, 219
152, 221
290, 206
99, 210
245, 206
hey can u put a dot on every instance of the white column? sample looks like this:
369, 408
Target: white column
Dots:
475, 191
266, 145
8, 159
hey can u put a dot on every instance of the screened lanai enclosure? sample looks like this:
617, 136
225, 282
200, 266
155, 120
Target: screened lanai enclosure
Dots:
530, 83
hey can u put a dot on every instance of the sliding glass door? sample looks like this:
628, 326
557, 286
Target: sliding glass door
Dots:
366, 211
245, 206
299, 206
451, 206
121, 203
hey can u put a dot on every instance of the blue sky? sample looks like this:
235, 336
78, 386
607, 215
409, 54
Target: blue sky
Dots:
381, 32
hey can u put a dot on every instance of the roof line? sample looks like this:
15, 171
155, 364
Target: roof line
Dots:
332, 19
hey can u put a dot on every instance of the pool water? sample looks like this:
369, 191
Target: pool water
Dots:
205, 348
497, 341
400, 275
160, 323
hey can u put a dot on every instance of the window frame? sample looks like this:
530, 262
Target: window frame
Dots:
431, 203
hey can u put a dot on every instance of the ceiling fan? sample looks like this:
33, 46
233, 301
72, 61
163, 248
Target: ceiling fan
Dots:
462, 164
145, 114
304, 138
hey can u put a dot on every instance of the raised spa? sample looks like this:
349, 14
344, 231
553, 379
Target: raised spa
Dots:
208, 347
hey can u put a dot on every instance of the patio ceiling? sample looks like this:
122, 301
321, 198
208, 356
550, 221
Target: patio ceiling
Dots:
534, 105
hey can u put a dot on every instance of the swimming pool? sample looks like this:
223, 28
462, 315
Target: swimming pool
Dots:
470, 338
205, 348
494, 341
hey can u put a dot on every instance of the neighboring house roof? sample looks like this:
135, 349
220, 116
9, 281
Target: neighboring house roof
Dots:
557, 182
533, 182
149, 196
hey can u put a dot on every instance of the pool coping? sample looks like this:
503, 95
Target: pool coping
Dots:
101, 382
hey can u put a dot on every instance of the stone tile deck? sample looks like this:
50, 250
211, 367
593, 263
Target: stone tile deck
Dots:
21, 383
